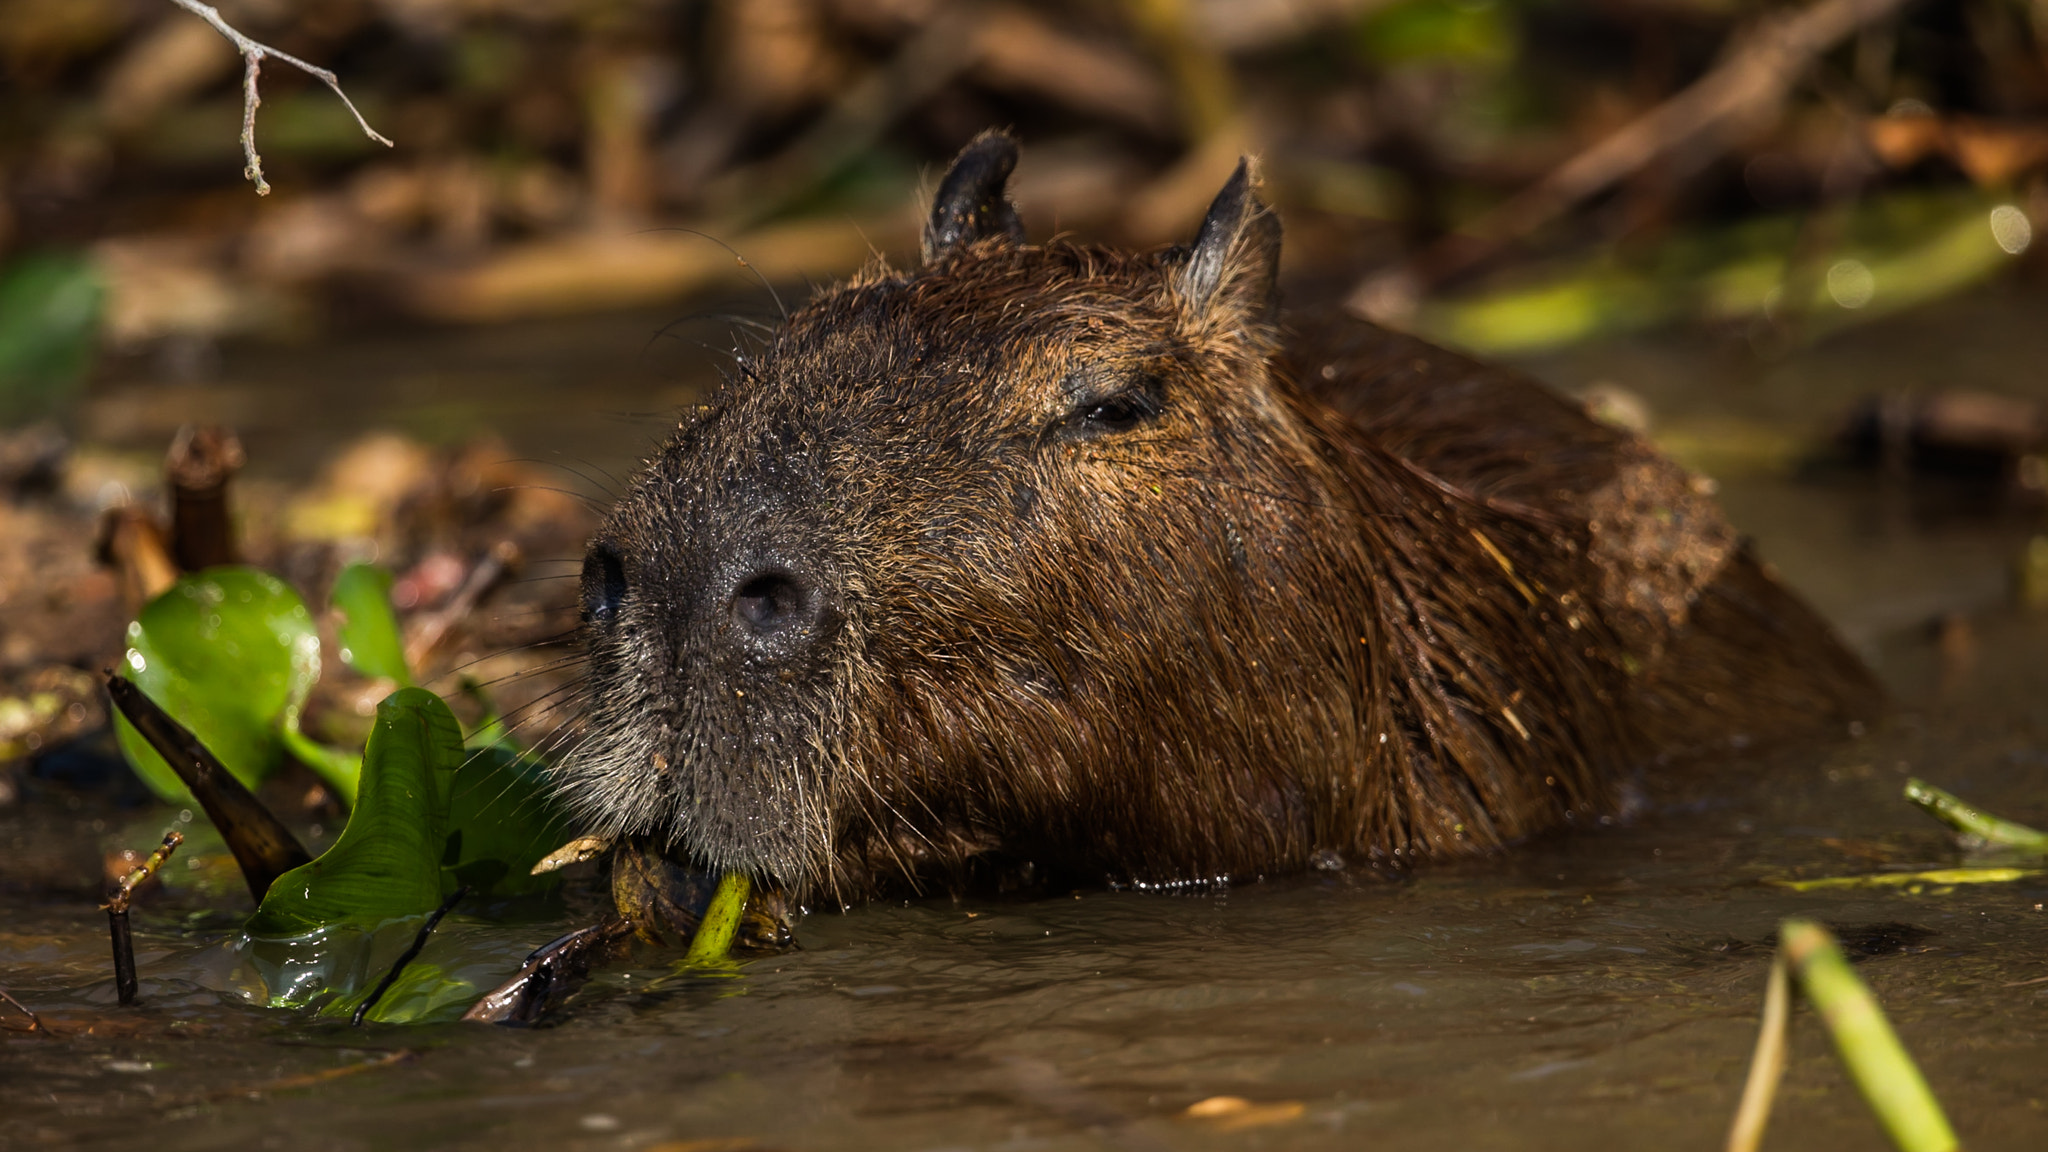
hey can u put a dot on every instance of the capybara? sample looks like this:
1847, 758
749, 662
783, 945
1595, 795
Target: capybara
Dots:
1080, 565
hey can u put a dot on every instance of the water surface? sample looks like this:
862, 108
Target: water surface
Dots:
1592, 990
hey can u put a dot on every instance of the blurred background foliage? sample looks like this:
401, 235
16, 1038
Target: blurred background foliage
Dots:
1507, 175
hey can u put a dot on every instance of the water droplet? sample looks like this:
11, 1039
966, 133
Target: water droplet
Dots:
1851, 284
2011, 228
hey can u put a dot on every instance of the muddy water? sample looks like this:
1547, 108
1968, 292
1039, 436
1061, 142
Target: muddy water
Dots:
1593, 990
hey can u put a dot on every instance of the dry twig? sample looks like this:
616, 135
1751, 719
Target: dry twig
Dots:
35, 1022
116, 909
252, 67
1767, 1065
429, 629
202, 461
550, 974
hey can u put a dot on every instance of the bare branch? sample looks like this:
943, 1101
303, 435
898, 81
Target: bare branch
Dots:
116, 909
35, 1022
253, 54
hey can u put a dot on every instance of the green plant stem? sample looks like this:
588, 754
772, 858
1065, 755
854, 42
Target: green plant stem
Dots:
1972, 821
339, 770
1889, 1080
721, 921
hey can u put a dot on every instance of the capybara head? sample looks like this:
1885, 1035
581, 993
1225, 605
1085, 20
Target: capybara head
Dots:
1039, 556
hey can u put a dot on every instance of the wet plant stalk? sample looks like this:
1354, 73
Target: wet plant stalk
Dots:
199, 469
1889, 1080
117, 916
1767, 1064
1974, 822
263, 847
552, 972
412, 953
35, 1022
721, 921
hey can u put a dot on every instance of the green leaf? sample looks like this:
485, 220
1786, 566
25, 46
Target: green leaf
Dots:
1445, 30
429, 816
369, 637
502, 821
387, 862
231, 653
49, 329
339, 770
422, 992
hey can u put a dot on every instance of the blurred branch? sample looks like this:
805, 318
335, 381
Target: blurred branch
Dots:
924, 64
1759, 71
1201, 75
252, 67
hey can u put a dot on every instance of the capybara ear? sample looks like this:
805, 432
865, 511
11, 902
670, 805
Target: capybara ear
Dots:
1235, 260
971, 204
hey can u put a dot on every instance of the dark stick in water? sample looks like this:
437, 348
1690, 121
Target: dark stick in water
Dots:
262, 845
117, 915
554, 970
35, 1022
411, 954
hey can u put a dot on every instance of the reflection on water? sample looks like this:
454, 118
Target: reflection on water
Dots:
1598, 988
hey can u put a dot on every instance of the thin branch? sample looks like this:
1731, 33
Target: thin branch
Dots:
35, 1022
418, 942
116, 909
253, 54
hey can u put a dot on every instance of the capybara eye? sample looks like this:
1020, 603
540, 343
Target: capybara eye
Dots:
604, 584
1118, 413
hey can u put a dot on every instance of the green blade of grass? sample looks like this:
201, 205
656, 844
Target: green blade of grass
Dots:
1939, 876
1887, 1077
1973, 822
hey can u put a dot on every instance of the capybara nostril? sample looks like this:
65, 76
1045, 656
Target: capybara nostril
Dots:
604, 584
774, 602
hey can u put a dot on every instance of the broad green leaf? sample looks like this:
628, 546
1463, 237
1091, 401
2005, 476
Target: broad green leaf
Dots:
387, 862
368, 636
422, 992
501, 822
49, 329
429, 817
230, 653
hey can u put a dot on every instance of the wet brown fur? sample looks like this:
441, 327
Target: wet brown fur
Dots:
1343, 592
